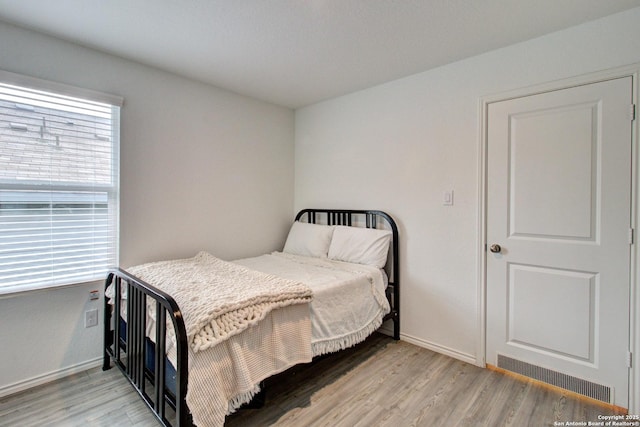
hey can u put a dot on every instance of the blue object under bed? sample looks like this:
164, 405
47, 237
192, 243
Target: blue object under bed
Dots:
150, 354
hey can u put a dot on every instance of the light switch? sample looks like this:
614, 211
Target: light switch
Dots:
447, 198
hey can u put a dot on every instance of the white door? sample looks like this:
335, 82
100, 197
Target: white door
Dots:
558, 205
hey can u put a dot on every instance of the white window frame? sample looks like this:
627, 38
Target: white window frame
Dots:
112, 191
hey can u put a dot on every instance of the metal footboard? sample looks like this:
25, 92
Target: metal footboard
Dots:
128, 349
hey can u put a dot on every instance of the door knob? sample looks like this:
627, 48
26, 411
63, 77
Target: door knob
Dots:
495, 248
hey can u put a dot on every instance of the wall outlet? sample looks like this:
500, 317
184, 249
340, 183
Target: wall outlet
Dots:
91, 318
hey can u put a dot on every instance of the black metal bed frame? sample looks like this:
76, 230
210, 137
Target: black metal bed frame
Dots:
128, 348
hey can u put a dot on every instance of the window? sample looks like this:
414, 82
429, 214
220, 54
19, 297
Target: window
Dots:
58, 184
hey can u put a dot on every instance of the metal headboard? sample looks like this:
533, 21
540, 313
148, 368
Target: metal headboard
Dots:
372, 219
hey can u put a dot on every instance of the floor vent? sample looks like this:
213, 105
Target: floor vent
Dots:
577, 385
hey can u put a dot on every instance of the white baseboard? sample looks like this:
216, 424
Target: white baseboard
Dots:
465, 357
48, 377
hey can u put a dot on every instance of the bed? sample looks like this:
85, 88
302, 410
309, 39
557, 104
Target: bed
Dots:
335, 282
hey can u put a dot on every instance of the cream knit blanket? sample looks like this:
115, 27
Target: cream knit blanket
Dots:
219, 299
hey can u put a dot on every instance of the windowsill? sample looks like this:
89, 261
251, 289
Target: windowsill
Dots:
12, 292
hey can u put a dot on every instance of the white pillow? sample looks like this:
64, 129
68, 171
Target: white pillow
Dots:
360, 245
308, 239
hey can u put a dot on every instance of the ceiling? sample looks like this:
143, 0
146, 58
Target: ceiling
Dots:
297, 52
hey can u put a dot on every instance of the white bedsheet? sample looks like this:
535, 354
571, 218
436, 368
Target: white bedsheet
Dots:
348, 299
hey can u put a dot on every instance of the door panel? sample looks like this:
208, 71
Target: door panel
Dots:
537, 306
558, 204
553, 179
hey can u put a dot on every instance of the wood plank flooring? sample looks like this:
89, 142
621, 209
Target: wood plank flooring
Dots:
378, 383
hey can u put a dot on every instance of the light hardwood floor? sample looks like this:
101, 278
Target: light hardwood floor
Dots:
378, 383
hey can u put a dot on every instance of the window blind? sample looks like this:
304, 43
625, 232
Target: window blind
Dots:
58, 188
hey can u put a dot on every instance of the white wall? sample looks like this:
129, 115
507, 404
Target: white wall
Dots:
201, 169
399, 146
